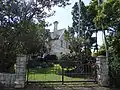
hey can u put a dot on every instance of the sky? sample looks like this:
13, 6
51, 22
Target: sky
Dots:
64, 17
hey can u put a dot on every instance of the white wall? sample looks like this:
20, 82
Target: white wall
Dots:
56, 47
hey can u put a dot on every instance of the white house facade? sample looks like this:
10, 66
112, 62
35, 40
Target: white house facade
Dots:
58, 44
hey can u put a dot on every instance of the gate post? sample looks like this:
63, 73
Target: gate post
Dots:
20, 71
102, 71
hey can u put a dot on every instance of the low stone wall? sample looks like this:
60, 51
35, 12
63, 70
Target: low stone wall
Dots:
18, 79
7, 79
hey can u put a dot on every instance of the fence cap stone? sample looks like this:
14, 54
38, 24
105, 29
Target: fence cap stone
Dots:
101, 56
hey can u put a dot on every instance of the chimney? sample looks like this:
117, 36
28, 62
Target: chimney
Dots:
55, 26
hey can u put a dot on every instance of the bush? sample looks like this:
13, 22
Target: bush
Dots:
67, 61
115, 71
44, 65
51, 58
48, 61
35, 62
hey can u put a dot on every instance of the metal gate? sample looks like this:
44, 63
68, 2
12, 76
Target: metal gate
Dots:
60, 71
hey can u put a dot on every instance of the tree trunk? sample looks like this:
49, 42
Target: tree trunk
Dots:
105, 43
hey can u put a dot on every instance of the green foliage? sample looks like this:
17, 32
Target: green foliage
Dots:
101, 51
107, 15
115, 64
67, 61
114, 70
73, 60
35, 39
79, 35
22, 29
92, 12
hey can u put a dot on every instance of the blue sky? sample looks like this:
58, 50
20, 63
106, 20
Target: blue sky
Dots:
64, 17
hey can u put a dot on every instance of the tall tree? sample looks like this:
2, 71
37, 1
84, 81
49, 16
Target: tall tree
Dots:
18, 20
80, 34
107, 18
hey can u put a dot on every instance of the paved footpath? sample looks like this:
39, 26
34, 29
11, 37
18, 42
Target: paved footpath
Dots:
62, 87
69, 88
66, 88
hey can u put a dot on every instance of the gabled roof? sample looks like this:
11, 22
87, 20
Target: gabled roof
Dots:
58, 33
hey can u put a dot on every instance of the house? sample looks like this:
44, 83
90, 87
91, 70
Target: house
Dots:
58, 44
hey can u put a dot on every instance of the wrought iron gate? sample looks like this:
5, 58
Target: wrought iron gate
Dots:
60, 71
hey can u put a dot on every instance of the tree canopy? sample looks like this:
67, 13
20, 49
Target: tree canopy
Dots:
108, 18
22, 28
80, 34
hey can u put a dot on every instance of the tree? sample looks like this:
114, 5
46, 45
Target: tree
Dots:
80, 34
18, 20
111, 16
35, 40
107, 18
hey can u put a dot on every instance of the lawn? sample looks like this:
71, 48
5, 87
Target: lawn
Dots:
49, 74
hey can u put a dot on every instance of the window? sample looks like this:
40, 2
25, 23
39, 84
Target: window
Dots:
61, 43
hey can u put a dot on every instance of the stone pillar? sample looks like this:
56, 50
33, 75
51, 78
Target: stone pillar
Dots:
102, 71
20, 71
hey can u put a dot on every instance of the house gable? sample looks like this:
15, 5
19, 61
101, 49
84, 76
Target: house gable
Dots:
58, 43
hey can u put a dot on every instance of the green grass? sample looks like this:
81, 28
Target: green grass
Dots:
49, 74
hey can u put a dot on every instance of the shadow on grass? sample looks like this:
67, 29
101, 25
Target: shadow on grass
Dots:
57, 70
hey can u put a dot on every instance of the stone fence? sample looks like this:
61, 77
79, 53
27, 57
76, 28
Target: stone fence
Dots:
17, 79
7, 79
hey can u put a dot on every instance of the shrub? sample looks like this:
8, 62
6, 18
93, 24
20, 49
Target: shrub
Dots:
67, 61
48, 61
115, 71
